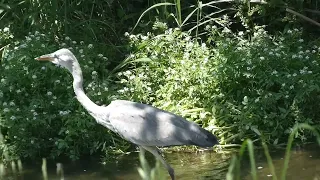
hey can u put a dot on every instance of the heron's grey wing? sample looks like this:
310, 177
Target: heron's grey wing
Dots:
148, 126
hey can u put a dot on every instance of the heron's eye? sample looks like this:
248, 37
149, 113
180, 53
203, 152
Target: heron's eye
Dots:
55, 56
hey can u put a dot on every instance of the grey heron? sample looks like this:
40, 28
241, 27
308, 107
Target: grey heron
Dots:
142, 124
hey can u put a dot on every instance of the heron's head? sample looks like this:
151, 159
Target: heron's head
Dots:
63, 57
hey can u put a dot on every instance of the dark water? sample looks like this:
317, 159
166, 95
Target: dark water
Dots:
304, 165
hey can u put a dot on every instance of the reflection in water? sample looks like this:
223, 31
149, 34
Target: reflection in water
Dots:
304, 164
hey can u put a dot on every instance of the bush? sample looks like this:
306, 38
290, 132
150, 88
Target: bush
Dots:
41, 117
267, 84
249, 85
175, 78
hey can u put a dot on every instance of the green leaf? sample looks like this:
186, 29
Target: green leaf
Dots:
254, 129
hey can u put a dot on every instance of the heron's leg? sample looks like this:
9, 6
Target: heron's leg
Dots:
142, 150
156, 152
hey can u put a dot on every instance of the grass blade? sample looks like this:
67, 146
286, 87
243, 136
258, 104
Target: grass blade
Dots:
178, 9
269, 160
150, 8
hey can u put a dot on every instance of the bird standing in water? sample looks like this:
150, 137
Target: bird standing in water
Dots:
141, 124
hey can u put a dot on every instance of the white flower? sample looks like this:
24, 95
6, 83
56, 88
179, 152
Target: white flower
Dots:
43, 67
62, 113
81, 51
100, 55
3, 80
12, 117
205, 60
301, 40
5, 110
43, 46
126, 34
262, 58
81, 42
67, 38
5, 104
34, 76
12, 103
94, 73
274, 72
6, 29
90, 46
49, 93
57, 81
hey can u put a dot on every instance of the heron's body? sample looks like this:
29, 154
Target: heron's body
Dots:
141, 124
133, 121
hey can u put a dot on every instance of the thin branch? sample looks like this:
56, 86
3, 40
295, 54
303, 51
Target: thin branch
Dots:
303, 17
313, 11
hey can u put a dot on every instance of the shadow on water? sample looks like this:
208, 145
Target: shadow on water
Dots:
304, 164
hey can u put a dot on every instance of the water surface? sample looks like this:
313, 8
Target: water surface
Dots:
304, 165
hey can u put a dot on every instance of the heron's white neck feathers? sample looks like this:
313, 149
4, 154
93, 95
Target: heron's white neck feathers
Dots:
90, 106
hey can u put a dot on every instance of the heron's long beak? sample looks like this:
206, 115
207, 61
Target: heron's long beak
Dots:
47, 57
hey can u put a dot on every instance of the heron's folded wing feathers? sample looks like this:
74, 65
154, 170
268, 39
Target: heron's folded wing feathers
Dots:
148, 126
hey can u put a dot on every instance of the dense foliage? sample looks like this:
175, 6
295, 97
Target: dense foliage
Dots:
216, 65
37, 100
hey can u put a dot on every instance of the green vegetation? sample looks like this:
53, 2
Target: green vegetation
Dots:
241, 70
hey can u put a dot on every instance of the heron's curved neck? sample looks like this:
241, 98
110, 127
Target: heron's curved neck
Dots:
78, 89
